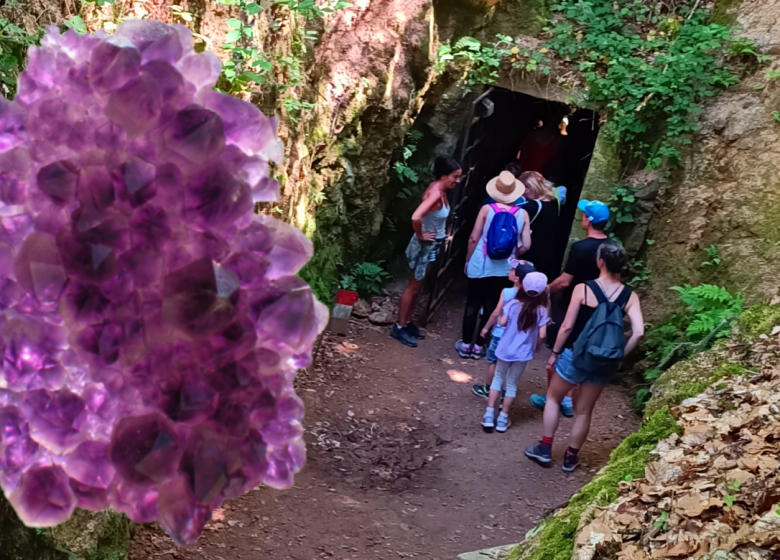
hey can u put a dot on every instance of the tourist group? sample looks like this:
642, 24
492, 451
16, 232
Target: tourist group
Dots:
517, 301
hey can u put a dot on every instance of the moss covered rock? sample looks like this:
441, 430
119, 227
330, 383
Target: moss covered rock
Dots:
94, 535
553, 538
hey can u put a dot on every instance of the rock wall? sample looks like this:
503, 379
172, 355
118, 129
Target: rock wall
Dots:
728, 195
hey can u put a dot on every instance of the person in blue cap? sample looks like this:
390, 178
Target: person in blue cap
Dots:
580, 268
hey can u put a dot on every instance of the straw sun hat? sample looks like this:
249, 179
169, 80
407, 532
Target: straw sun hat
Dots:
505, 188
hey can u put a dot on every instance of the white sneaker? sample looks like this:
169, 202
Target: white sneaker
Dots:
503, 424
488, 422
464, 351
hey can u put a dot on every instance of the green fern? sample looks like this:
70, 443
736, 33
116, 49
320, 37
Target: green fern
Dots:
706, 308
365, 278
468, 43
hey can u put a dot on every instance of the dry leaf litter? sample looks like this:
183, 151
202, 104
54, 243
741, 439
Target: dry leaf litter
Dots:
714, 491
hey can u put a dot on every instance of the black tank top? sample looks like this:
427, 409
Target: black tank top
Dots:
586, 311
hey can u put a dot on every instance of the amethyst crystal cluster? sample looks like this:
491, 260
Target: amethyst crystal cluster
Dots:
151, 323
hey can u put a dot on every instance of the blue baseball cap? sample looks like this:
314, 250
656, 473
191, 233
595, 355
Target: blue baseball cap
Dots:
597, 212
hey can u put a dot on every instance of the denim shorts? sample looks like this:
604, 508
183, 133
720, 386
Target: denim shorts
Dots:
565, 369
491, 352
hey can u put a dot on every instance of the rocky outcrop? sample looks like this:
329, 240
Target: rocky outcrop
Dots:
728, 195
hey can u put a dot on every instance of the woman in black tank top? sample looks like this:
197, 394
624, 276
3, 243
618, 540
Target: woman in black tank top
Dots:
585, 299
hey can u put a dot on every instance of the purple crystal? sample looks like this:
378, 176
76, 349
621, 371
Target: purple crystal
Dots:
89, 464
44, 497
149, 321
59, 180
12, 125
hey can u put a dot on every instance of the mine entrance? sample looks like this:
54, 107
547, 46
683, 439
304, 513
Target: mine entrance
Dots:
503, 125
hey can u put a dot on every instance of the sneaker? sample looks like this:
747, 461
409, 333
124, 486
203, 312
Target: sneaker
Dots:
570, 462
477, 352
403, 336
488, 422
539, 453
482, 391
567, 407
464, 351
503, 423
414, 330
538, 402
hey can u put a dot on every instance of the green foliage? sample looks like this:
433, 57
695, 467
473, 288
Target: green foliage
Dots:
638, 274
662, 523
294, 106
651, 64
365, 278
708, 312
77, 24
478, 61
252, 69
713, 259
413, 178
743, 46
771, 74
706, 307
181, 13
14, 42
622, 205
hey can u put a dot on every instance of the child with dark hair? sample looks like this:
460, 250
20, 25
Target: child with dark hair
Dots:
569, 358
524, 319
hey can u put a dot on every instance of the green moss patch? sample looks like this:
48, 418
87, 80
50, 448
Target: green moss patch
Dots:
725, 11
627, 461
87, 535
758, 320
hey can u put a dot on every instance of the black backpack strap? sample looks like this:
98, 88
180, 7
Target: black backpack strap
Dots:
625, 295
601, 297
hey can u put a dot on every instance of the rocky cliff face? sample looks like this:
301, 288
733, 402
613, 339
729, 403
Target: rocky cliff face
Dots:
728, 195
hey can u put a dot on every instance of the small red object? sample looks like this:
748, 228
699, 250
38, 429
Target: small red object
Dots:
345, 297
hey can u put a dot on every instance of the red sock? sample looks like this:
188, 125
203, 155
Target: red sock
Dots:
547, 441
571, 451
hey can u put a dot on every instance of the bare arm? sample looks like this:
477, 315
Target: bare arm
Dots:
542, 337
495, 315
634, 312
503, 320
577, 298
426, 206
561, 283
476, 233
525, 236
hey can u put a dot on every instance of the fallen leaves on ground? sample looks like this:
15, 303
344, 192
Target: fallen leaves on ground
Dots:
715, 488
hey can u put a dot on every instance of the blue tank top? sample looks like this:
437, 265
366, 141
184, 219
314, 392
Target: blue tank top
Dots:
482, 266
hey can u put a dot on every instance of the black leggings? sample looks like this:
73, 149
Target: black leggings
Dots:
482, 293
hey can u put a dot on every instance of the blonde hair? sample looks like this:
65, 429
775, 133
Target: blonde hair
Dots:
536, 186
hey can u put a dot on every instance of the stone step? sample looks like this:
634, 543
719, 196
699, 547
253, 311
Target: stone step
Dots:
498, 553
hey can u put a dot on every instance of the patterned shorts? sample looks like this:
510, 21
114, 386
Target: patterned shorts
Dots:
421, 253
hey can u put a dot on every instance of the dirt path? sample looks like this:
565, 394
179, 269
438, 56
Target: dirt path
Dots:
398, 466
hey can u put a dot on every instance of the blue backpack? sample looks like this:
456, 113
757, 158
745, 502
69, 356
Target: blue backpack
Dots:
599, 348
502, 234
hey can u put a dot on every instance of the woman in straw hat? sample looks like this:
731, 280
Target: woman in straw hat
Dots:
488, 276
